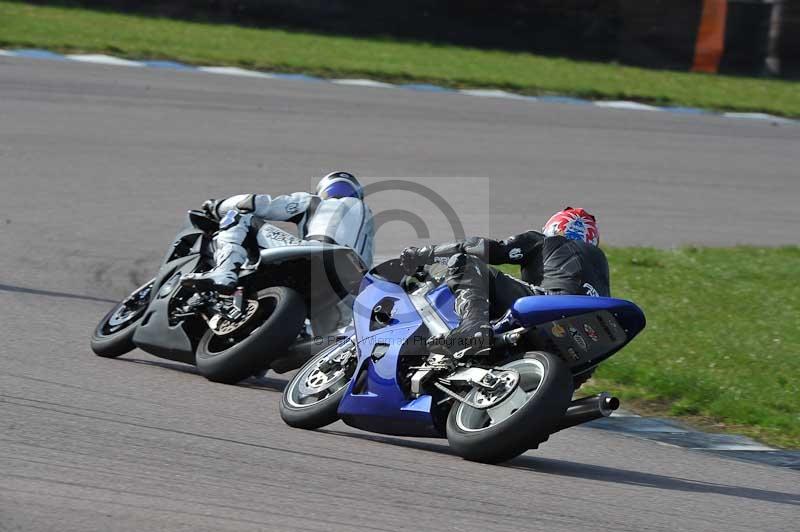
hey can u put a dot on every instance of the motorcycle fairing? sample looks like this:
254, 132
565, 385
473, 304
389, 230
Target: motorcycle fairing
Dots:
534, 310
444, 301
584, 330
155, 334
339, 266
374, 400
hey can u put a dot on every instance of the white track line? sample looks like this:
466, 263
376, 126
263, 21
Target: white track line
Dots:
104, 60
758, 116
735, 447
235, 71
362, 83
627, 105
624, 413
494, 93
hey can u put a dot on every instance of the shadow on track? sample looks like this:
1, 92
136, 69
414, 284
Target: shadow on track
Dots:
565, 468
50, 293
259, 383
397, 442
174, 366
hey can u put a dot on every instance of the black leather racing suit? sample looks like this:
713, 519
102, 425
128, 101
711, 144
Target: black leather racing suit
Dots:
549, 265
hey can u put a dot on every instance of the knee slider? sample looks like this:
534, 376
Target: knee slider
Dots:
248, 204
455, 268
457, 261
230, 219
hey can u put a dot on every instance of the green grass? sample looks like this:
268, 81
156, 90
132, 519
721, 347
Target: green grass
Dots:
82, 30
722, 343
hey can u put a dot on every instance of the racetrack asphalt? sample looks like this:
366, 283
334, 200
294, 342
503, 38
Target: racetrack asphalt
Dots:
97, 164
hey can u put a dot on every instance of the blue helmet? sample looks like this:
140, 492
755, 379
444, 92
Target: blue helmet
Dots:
340, 185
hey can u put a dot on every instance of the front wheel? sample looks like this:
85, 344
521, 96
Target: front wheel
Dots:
243, 351
311, 399
521, 420
113, 336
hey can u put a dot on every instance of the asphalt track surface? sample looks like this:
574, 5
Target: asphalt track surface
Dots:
96, 165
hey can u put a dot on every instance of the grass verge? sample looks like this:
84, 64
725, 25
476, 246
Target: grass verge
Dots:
721, 349
83, 30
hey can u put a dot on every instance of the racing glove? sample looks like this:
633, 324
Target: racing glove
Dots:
412, 258
210, 208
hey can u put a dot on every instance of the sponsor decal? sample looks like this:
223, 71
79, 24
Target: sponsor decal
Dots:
578, 338
558, 331
573, 354
591, 332
293, 207
590, 290
515, 254
276, 235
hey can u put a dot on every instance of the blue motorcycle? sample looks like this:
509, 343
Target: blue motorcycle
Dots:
491, 405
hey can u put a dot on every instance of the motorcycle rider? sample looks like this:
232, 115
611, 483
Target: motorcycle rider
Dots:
335, 213
562, 259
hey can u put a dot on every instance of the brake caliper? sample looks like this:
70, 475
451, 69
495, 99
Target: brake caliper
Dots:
493, 388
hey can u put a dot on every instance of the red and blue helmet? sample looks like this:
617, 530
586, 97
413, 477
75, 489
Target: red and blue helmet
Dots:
340, 185
575, 224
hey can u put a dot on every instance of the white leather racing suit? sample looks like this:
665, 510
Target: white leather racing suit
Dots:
343, 221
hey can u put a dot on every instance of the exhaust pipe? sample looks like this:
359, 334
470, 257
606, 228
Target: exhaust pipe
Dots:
587, 409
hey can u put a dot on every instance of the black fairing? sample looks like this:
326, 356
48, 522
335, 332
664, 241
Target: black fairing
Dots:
155, 334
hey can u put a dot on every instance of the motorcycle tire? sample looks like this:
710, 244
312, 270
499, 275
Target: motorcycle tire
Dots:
281, 314
547, 382
113, 336
323, 411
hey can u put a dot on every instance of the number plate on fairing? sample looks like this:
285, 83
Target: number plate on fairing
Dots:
585, 339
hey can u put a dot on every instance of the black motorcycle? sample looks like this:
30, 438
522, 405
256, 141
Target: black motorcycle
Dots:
277, 317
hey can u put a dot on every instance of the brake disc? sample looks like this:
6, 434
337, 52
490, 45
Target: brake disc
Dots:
318, 380
223, 326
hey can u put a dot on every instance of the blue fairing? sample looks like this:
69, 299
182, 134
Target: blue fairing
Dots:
381, 405
444, 302
536, 310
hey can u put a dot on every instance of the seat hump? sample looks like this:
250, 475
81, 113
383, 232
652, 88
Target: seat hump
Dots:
535, 310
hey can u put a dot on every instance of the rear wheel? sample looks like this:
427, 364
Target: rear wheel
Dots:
235, 356
113, 336
311, 399
519, 421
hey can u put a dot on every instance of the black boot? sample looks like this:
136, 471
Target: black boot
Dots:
475, 333
469, 279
